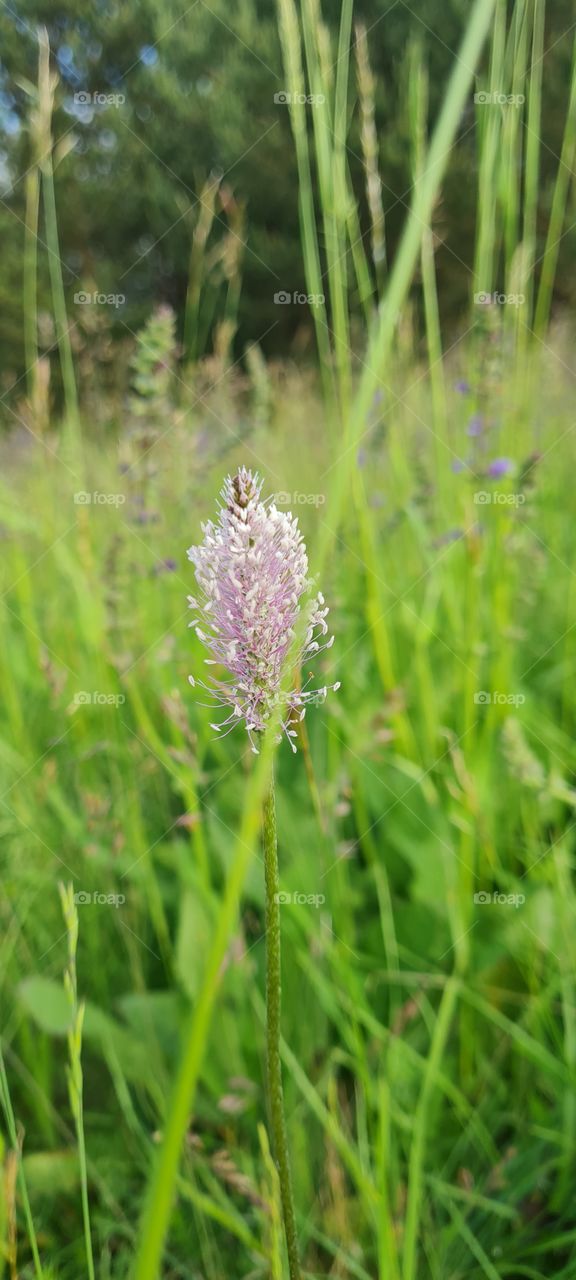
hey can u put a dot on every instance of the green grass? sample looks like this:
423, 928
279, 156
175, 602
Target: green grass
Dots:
429, 1040
429, 1037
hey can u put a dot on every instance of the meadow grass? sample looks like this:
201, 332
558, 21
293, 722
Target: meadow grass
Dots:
476, 1106
425, 828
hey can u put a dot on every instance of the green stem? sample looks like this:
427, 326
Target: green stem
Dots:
58, 298
549, 258
84, 1189
30, 273
421, 1125
13, 1134
157, 1209
273, 1010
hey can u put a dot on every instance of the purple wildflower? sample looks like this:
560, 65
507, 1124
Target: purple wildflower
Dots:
252, 571
458, 465
462, 386
475, 426
500, 467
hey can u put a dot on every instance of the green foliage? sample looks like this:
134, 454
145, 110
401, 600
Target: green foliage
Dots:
482, 804
426, 826
199, 87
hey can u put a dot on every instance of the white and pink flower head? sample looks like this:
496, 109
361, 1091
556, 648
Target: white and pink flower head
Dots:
252, 574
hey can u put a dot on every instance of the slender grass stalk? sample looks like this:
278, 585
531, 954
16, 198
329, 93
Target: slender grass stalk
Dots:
274, 1249
58, 299
232, 261
566, 908
74, 1070
418, 94
369, 143
387, 1247
512, 133
422, 1121
561, 187
206, 214
46, 85
329, 155
533, 158
292, 51
364, 281
273, 1020
490, 131
523, 384
30, 265
350, 210
6, 1101
274, 1222
339, 268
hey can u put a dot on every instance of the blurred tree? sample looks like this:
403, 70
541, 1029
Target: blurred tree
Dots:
185, 91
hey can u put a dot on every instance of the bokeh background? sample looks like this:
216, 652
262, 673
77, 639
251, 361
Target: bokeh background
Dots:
366, 294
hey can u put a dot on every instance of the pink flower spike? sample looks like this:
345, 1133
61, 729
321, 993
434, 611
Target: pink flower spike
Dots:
252, 573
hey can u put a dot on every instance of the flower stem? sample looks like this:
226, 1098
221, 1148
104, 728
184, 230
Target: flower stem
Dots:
273, 1007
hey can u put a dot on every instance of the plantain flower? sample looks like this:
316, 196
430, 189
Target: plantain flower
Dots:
252, 574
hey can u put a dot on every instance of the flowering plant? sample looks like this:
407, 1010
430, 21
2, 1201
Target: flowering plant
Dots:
252, 575
252, 571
